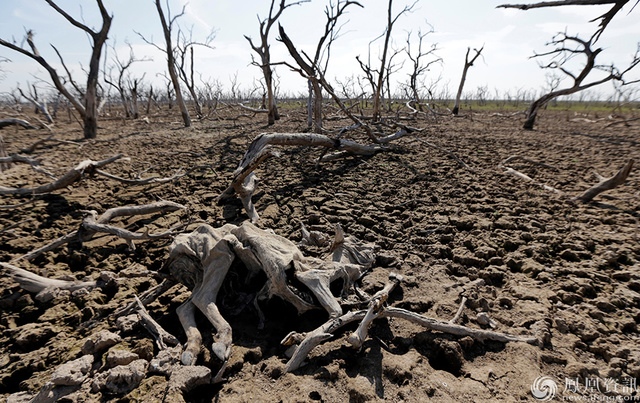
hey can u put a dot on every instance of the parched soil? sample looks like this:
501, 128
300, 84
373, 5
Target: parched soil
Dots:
527, 259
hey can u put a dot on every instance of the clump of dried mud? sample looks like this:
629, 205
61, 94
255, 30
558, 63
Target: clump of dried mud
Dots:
542, 259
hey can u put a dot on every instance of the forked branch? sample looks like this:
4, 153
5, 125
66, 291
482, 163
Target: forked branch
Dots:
93, 224
606, 183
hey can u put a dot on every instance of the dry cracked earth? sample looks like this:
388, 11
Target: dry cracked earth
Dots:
524, 257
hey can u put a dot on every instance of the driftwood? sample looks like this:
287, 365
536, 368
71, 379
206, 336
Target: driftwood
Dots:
35, 164
603, 185
16, 122
93, 224
244, 180
161, 336
85, 167
146, 181
50, 138
449, 153
250, 109
306, 342
74, 175
518, 174
35, 283
606, 183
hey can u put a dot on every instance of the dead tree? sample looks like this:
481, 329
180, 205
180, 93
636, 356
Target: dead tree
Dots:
605, 19
418, 66
168, 22
126, 86
264, 52
467, 64
41, 106
566, 48
184, 49
313, 68
86, 103
380, 76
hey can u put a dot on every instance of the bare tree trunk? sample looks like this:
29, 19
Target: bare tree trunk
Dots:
40, 106
310, 105
317, 106
192, 90
171, 65
271, 106
377, 94
3, 153
134, 101
467, 63
149, 100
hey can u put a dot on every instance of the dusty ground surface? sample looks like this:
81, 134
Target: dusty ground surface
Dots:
542, 259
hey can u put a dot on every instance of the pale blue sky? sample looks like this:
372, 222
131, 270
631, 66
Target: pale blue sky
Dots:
510, 37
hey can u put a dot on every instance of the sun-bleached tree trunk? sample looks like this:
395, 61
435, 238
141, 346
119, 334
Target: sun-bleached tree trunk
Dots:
167, 24
567, 47
86, 103
467, 64
264, 53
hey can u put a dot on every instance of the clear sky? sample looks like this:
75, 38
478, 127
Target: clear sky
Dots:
509, 37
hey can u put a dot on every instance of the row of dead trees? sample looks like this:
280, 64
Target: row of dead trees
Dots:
179, 48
